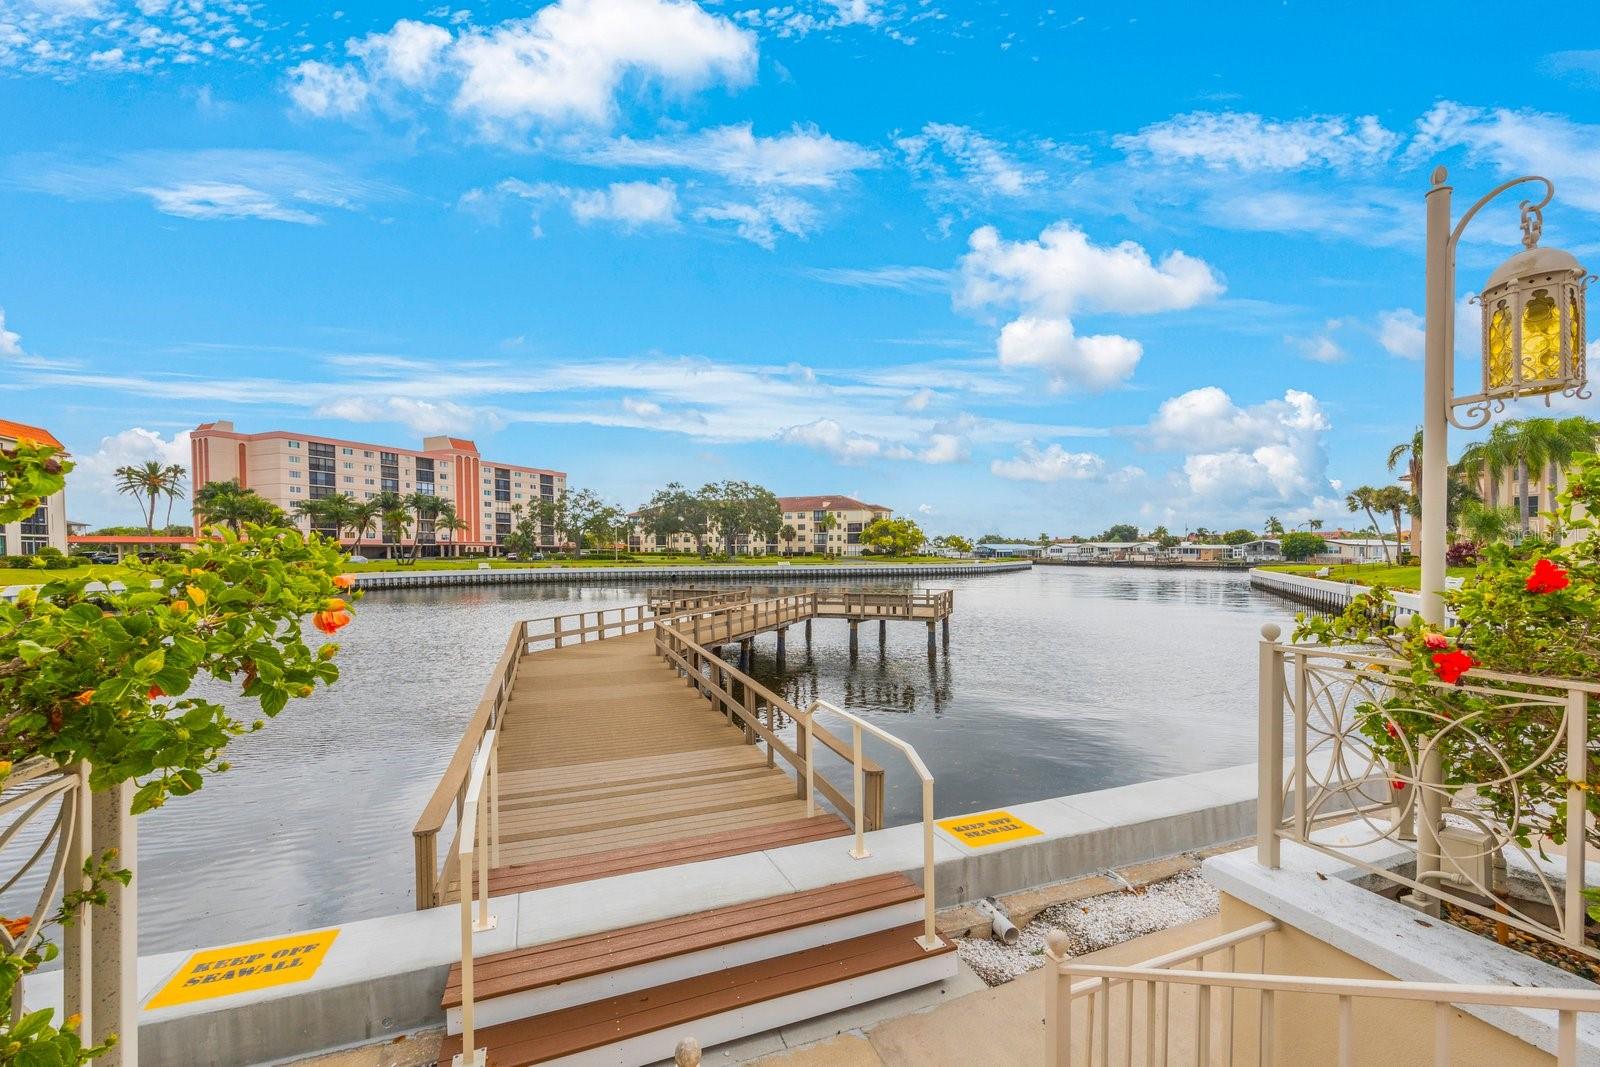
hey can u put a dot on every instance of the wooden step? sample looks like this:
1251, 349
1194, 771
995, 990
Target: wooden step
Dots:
542, 874
611, 950
674, 1008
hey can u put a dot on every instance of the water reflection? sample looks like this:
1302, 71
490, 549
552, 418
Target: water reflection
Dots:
1055, 681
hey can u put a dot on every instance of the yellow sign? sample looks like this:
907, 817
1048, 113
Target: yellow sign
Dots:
988, 828
221, 972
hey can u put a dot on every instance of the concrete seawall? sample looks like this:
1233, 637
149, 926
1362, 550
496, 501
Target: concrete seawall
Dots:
1324, 595
384, 976
622, 575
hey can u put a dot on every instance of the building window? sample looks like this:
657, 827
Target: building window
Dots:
347, 452
294, 444
35, 531
389, 472
502, 483
425, 476
294, 474
294, 459
322, 477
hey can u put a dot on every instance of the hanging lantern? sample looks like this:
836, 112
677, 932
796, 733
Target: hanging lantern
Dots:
1534, 320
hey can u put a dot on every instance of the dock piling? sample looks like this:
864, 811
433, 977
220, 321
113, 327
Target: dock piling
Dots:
855, 643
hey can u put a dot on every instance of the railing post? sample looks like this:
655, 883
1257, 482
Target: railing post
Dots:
930, 933
810, 787
860, 851
1577, 809
425, 847
1269, 786
1058, 1003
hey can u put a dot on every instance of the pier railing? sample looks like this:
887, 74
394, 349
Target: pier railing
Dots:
758, 711
808, 728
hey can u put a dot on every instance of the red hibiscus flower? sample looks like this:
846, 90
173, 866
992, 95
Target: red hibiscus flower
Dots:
1392, 730
1397, 783
1450, 666
153, 692
1436, 641
1547, 577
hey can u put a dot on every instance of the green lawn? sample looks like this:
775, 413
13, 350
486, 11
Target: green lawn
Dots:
1394, 577
36, 576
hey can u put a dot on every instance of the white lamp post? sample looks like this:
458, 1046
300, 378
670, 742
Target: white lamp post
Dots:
1532, 345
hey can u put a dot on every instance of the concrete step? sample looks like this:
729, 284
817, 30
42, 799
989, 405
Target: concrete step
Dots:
643, 1025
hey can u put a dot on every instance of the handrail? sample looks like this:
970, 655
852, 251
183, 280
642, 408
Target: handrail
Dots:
1059, 1000
717, 684
930, 936
479, 841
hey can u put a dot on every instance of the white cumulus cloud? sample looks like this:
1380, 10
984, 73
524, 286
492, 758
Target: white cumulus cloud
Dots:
1088, 364
92, 495
629, 204
1050, 464
1400, 333
804, 157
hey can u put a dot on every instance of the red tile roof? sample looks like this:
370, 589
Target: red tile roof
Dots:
463, 444
827, 503
127, 539
21, 431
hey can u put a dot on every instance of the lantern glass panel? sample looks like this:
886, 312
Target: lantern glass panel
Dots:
1499, 346
1541, 338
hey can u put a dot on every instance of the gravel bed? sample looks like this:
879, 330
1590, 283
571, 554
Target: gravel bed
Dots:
1094, 923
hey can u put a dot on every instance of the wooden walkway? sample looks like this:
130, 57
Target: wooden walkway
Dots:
621, 747
604, 748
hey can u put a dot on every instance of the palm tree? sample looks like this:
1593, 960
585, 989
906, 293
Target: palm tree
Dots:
1393, 499
1313, 524
1522, 446
313, 511
1365, 499
227, 502
1274, 526
363, 519
424, 507
1484, 524
151, 480
447, 521
786, 535
1409, 453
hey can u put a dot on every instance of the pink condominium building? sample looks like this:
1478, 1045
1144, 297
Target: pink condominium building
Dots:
287, 468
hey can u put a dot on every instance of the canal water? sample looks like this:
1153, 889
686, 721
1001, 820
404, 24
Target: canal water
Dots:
1056, 680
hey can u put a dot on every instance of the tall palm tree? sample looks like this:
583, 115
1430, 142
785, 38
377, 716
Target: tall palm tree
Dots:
448, 522
364, 515
1274, 526
151, 480
424, 507
314, 511
1365, 498
1409, 454
1393, 499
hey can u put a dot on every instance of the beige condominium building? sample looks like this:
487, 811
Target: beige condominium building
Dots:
1543, 488
807, 515
287, 467
47, 526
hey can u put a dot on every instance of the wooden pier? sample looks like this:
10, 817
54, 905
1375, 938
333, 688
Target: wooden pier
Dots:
627, 740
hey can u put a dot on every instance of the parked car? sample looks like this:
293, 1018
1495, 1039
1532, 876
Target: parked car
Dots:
101, 557
358, 559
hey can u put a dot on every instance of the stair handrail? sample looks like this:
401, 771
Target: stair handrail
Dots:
930, 935
477, 849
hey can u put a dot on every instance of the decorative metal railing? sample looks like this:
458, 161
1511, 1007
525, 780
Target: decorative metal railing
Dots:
1447, 798
1131, 1015
50, 803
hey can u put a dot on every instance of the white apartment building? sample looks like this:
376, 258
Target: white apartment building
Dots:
287, 467
47, 526
806, 515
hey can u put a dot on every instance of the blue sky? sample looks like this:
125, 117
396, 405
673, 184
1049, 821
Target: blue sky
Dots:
1002, 267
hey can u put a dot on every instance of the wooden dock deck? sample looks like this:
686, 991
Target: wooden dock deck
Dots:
622, 741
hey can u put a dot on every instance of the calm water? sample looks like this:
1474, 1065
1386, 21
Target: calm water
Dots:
1057, 680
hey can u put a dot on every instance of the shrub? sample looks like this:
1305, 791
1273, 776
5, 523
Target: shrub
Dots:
1529, 609
1463, 554
1301, 545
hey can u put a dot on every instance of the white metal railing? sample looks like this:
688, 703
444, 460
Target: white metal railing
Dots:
1350, 737
1218, 1031
477, 850
930, 936
1096, 990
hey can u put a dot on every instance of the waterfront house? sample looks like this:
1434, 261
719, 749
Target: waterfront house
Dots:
1262, 549
1017, 550
1358, 550
47, 526
808, 516
1101, 550
1197, 552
